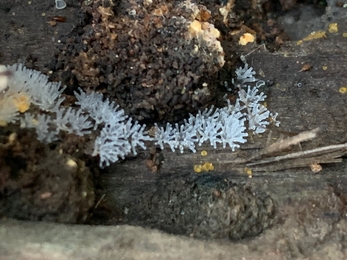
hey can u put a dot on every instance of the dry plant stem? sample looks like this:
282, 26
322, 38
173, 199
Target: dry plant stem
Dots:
286, 143
333, 151
291, 164
325, 154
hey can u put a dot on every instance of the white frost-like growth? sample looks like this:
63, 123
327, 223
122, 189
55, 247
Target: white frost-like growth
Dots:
45, 94
221, 125
43, 125
21, 86
227, 125
98, 109
257, 114
233, 129
8, 112
3, 77
118, 139
177, 137
245, 75
73, 121
117, 134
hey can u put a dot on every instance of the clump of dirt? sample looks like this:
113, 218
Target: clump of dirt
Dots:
149, 57
161, 61
203, 206
40, 182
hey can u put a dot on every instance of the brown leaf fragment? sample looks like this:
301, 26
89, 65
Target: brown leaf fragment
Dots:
306, 67
316, 167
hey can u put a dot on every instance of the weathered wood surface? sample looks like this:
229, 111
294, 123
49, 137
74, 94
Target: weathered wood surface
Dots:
27, 38
317, 103
312, 207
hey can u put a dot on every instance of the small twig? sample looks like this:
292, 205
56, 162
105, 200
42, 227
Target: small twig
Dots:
243, 57
265, 161
99, 201
290, 164
286, 143
340, 148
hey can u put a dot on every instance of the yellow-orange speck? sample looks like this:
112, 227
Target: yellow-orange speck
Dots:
246, 38
343, 90
21, 102
3, 123
333, 28
207, 166
313, 36
197, 168
248, 171
203, 153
